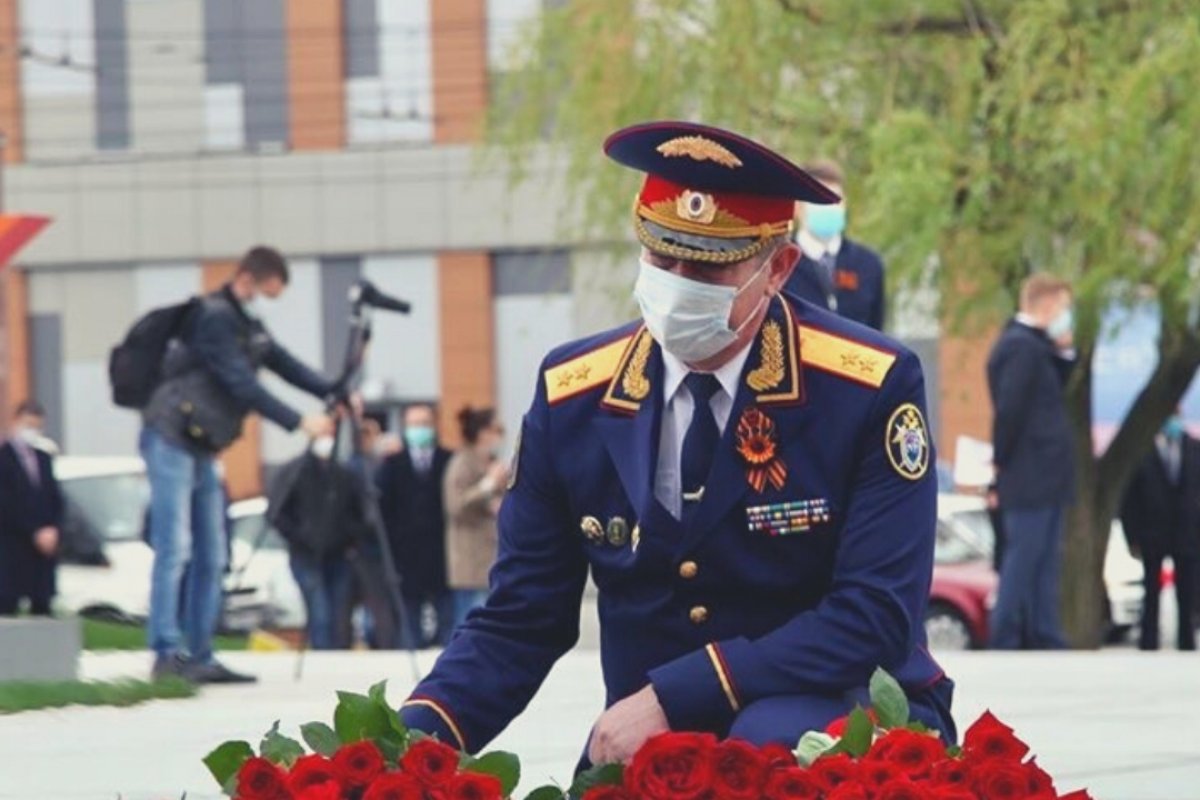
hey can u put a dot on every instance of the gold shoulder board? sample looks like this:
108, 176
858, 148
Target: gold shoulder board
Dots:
584, 372
844, 357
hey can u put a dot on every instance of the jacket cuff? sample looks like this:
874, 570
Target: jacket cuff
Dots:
697, 691
429, 716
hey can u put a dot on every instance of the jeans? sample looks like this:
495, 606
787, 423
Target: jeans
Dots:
1027, 604
428, 621
325, 584
186, 527
465, 600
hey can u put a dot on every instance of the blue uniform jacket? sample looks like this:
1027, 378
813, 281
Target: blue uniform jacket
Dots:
801, 572
858, 284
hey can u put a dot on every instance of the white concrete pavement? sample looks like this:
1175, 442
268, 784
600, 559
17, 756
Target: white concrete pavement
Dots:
1124, 723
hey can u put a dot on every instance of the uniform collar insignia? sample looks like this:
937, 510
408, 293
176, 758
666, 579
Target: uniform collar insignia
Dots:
631, 383
773, 371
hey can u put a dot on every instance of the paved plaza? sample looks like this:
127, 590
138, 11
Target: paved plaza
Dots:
1124, 723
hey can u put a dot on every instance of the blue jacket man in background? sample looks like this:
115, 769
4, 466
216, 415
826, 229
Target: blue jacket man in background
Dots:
835, 272
1034, 456
197, 411
745, 475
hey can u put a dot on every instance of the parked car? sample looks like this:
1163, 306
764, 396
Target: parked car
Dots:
964, 585
105, 563
263, 566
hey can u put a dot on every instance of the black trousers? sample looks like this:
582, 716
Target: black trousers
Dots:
1186, 568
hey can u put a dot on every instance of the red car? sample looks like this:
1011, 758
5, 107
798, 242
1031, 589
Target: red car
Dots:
963, 590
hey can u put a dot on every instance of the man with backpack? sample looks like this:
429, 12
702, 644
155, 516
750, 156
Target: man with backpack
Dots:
205, 387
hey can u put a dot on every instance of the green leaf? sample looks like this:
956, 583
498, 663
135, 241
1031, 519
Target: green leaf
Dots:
546, 793
226, 760
606, 775
378, 693
919, 727
505, 766
953, 751
812, 746
860, 733
889, 700
391, 749
321, 738
358, 717
279, 749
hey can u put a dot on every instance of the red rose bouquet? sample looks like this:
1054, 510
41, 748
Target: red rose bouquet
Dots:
368, 754
872, 754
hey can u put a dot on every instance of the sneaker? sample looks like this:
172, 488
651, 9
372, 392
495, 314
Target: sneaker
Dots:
172, 666
216, 672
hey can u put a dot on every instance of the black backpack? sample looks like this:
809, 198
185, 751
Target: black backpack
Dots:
135, 365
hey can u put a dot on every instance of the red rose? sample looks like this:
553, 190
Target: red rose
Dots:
329, 790
778, 755
311, 771
989, 739
1001, 780
793, 783
951, 772
259, 779
672, 766
395, 786
1040, 781
430, 762
901, 789
874, 774
850, 790
474, 786
950, 791
914, 753
358, 764
739, 770
833, 771
608, 793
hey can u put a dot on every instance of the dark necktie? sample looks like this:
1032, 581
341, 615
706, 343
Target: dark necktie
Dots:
30, 462
700, 441
825, 267
1173, 461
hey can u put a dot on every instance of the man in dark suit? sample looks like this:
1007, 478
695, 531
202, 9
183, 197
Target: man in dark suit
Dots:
1034, 459
410, 499
834, 272
31, 510
1161, 517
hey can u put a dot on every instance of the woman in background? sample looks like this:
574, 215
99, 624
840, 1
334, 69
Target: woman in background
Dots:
474, 485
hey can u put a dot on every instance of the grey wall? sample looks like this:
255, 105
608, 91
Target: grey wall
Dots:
112, 76
402, 200
264, 71
338, 274
361, 27
45, 352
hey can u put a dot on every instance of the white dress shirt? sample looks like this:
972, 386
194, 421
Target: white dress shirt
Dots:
677, 416
814, 248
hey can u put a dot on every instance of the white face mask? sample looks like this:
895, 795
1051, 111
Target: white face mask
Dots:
689, 319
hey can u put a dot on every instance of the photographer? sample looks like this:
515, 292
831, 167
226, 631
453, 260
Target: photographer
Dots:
209, 387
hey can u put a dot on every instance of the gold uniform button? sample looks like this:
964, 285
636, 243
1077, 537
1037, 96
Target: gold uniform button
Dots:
698, 615
688, 570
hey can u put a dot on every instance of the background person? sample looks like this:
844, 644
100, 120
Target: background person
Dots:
197, 411
475, 483
1035, 462
1161, 517
410, 499
31, 511
833, 271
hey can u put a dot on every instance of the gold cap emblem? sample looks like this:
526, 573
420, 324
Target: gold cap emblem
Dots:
699, 148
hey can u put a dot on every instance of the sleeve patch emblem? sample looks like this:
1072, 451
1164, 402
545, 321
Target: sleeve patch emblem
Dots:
907, 442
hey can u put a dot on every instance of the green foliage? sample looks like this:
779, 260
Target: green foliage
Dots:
812, 746
101, 635
226, 760
16, 696
280, 749
889, 700
546, 793
320, 737
359, 717
505, 766
606, 775
860, 733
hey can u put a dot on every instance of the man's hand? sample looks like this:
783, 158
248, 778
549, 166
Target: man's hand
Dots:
316, 425
46, 541
625, 727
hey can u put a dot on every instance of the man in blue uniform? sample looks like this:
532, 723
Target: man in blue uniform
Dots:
746, 475
836, 272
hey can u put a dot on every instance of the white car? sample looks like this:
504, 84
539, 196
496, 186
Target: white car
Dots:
105, 564
261, 564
